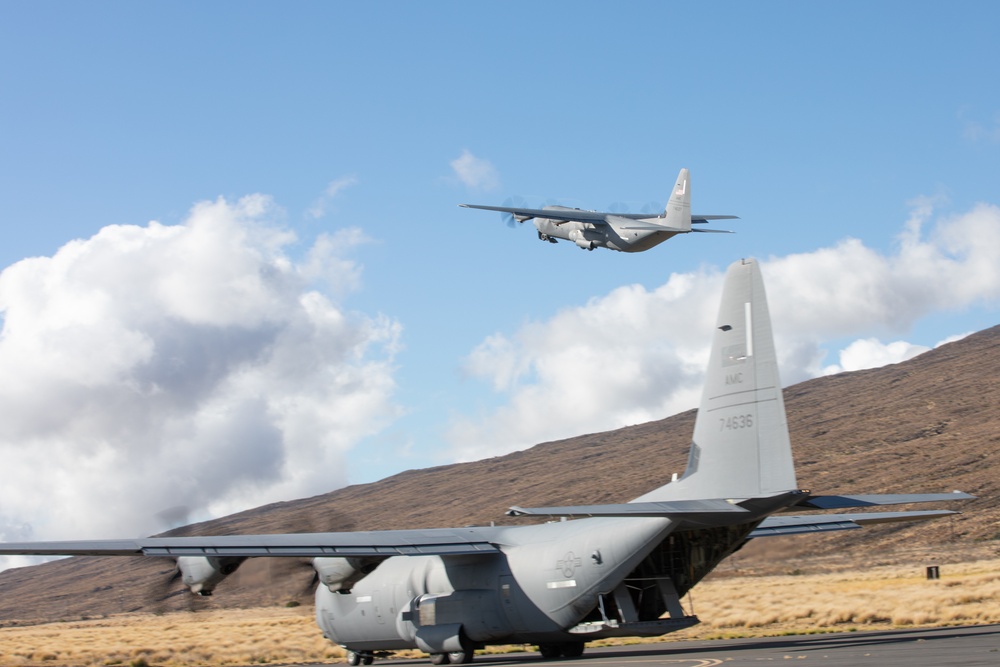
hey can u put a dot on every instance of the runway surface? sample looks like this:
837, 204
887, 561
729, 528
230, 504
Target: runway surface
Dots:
954, 647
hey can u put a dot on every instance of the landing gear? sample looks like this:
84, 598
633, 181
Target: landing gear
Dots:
356, 658
453, 657
460, 657
549, 651
561, 650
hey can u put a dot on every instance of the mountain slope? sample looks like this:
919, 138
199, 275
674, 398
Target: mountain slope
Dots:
925, 425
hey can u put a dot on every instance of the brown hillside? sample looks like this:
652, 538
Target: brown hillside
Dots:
928, 424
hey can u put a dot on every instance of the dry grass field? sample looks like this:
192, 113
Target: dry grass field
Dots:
730, 606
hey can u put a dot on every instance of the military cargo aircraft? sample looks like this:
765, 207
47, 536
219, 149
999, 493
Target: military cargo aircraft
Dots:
610, 570
626, 232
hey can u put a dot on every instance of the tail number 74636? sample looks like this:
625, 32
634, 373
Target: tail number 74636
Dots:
736, 422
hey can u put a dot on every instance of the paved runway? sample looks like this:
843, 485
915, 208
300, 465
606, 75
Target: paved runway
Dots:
977, 646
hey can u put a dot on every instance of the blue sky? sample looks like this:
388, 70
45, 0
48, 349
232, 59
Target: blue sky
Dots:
321, 143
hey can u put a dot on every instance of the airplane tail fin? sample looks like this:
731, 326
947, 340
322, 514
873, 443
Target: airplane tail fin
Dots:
741, 447
678, 212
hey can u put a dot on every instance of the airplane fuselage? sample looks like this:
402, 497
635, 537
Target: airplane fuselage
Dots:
611, 235
543, 582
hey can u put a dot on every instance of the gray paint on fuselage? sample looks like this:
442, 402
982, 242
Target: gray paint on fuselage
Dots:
553, 572
607, 236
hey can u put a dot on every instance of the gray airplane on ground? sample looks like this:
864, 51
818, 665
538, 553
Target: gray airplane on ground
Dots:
627, 232
617, 570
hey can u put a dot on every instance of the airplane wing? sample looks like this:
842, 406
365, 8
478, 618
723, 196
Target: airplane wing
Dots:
478, 539
566, 215
439, 542
793, 525
870, 500
597, 217
678, 508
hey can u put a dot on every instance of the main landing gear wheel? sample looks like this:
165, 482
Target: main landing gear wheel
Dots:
452, 658
355, 658
561, 650
460, 657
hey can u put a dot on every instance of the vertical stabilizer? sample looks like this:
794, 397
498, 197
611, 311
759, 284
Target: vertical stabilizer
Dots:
740, 447
678, 212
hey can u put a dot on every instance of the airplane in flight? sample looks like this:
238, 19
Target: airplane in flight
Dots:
626, 232
602, 571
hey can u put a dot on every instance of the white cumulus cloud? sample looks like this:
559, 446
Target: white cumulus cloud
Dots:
637, 354
193, 365
873, 353
475, 172
331, 192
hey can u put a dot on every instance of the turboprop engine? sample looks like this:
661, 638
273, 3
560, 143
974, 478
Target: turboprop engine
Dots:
584, 239
202, 574
340, 574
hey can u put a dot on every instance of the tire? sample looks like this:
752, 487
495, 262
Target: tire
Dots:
572, 649
439, 658
353, 658
368, 659
550, 651
460, 657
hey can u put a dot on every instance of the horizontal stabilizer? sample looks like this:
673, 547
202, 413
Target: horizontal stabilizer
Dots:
793, 525
871, 500
662, 509
702, 219
645, 225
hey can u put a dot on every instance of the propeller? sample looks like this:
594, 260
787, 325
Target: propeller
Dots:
650, 208
292, 578
512, 202
168, 593
280, 579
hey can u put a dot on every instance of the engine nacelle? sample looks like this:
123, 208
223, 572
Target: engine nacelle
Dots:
340, 574
202, 574
584, 239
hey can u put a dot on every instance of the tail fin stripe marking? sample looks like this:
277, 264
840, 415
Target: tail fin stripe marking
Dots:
737, 393
737, 405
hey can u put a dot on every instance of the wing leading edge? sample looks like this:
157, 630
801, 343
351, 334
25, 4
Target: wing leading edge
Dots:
439, 542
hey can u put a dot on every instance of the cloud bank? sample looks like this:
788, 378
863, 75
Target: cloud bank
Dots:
635, 354
193, 366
